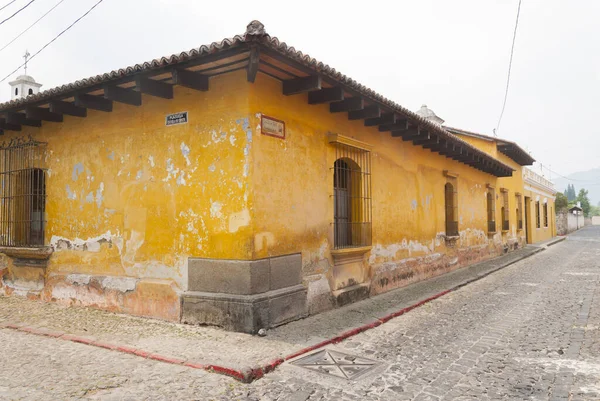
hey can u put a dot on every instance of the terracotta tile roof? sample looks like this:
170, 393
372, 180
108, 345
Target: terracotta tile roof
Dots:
147, 66
509, 148
255, 34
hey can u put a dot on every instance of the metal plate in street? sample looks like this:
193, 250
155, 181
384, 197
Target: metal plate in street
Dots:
337, 364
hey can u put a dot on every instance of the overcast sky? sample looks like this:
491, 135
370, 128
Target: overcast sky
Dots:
451, 55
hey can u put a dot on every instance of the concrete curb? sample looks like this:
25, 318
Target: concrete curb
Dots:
556, 241
251, 374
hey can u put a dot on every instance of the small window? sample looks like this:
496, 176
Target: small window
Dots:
450, 195
505, 214
545, 215
519, 212
491, 210
537, 214
30, 91
16, 91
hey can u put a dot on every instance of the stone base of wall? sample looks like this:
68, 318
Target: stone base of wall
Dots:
233, 294
242, 295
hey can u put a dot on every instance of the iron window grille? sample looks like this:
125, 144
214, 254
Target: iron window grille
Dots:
352, 200
451, 203
537, 214
491, 210
519, 212
545, 215
505, 216
22, 193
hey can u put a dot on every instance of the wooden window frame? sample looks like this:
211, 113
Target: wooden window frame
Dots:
451, 207
519, 201
490, 204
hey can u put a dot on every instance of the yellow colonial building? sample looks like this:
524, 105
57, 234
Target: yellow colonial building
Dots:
243, 184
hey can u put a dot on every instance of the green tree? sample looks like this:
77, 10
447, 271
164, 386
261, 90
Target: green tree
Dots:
571, 194
594, 210
561, 202
585, 201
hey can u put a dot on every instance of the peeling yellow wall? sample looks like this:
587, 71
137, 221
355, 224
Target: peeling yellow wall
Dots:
513, 185
294, 180
129, 196
543, 233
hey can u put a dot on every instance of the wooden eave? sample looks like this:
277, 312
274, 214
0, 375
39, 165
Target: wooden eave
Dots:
256, 54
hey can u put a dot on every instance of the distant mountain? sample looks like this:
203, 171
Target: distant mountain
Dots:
589, 180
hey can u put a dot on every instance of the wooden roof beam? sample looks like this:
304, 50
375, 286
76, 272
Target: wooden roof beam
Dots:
429, 139
253, 63
193, 80
153, 88
398, 126
349, 104
385, 118
93, 102
302, 84
8, 126
123, 95
412, 133
39, 113
326, 95
367, 112
70, 109
21, 119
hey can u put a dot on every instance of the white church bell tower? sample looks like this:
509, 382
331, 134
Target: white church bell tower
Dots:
24, 85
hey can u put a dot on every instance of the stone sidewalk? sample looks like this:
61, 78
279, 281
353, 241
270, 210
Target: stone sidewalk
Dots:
242, 356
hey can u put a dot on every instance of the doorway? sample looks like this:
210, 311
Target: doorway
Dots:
527, 222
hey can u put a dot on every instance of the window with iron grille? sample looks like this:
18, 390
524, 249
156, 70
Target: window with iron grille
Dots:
451, 203
351, 197
545, 215
537, 214
22, 193
504, 211
519, 212
491, 210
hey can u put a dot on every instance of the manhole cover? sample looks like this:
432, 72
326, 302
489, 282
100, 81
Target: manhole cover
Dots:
337, 364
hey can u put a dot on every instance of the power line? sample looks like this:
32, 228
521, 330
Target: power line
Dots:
9, 3
18, 11
56, 37
30, 26
512, 49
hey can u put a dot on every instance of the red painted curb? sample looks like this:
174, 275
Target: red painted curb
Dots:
102, 344
195, 365
166, 359
247, 376
254, 373
75, 339
228, 372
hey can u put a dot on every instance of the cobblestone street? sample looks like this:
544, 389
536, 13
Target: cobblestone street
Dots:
530, 331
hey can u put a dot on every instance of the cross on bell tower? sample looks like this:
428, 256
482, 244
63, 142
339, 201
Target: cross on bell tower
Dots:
24, 85
26, 57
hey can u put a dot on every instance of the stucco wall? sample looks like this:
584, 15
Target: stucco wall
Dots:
543, 233
128, 197
294, 188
